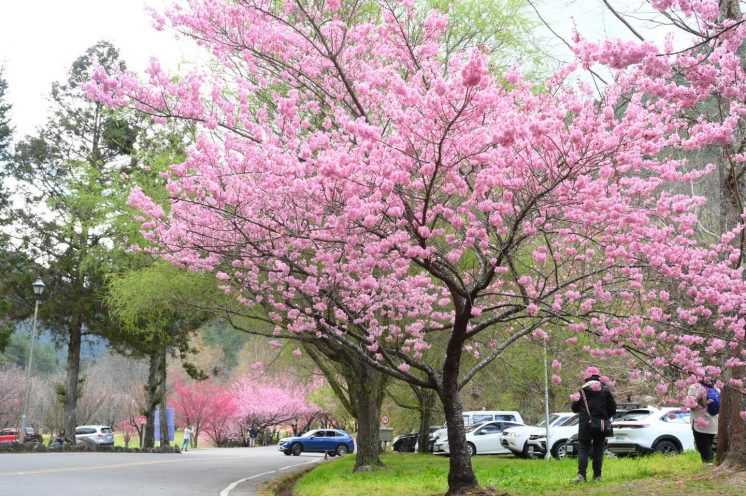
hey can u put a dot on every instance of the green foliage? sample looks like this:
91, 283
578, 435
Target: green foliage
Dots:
66, 174
16, 352
500, 26
6, 331
425, 475
6, 130
226, 338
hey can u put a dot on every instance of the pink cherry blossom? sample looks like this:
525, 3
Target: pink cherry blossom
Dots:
361, 188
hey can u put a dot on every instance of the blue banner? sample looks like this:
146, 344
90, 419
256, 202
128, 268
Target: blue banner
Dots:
169, 418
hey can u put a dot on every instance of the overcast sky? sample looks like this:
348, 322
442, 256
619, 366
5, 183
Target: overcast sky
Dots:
39, 39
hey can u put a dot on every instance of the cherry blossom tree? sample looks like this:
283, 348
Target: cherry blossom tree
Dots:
207, 406
361, 190
12, 383
699, 85
267, 403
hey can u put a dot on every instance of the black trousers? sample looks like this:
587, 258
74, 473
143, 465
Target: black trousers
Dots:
595, 446
703, 442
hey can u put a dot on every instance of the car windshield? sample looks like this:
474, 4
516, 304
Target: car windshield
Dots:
473, 427
309, 433
633, 416
552, 420
106, 430
574, 420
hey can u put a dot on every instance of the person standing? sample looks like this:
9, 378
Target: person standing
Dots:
187, 438
593, 400
702, 403
252, 436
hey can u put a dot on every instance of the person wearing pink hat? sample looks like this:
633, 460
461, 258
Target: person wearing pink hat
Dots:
596, 405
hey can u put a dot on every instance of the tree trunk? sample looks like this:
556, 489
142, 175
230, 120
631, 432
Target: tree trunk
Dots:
152, 398
731, 448
362, 398
366, 387
426, 399
460, 474
70, 399
164, 413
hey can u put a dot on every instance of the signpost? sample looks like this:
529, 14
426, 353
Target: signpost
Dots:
385, 420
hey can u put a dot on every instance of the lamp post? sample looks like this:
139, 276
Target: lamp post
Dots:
38, 286
548, 453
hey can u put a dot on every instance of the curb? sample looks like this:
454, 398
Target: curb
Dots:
283, 486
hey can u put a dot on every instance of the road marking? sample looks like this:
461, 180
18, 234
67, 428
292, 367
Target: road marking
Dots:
116, 465
232, 485
78, 469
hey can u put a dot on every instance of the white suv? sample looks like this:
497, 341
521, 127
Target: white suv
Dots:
99, 434
646, 430
515, 439
440, 437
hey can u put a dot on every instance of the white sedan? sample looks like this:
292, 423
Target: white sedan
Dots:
515, 439
649, 430
558, 436
481, 439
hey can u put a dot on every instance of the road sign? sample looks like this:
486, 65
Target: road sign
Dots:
385, 420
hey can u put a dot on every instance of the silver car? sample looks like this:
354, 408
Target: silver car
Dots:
99, 434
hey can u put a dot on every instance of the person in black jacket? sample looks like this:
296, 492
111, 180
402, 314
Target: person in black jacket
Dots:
600, 403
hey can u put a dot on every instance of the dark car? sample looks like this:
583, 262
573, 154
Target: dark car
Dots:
406, 443
332, 441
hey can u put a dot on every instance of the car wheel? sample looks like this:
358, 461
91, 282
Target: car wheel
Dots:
342, 450
558, 450
287, 452
470, 449
666, 447
296, 450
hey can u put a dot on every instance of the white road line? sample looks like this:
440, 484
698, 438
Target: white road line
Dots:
232, 485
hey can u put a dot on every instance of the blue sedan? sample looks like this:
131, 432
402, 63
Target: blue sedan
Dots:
335, 442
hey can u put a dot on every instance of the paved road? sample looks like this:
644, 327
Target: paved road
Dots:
218, 472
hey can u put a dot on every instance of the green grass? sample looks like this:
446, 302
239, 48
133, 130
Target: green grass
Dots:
119, 440
425, 475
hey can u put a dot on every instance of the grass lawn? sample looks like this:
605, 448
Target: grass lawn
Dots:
425, 475
119, 440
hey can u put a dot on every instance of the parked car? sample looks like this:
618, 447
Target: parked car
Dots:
666, 430
332, 441
481, 439
408, 442
646, 430
515, 439
99, 434
13, 435
475, 417
558, 436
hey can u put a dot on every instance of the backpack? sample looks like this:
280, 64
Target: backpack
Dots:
713, 401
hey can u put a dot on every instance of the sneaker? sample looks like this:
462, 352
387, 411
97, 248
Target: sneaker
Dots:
598, 479
578, 479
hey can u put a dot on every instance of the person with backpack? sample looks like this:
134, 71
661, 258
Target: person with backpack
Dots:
703, 400
595, 405
253, 433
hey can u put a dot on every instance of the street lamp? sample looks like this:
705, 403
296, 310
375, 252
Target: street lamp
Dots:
38, 286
